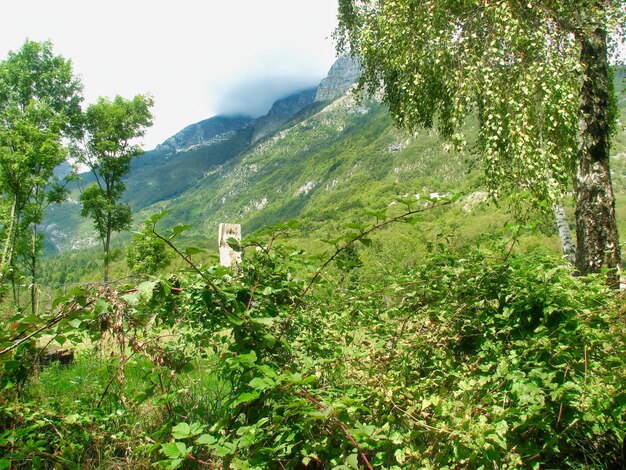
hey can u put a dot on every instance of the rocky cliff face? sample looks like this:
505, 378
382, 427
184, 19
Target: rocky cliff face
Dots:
282, 111
342, 75
204, 133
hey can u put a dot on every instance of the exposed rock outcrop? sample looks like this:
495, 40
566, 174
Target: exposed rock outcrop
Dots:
344, 73
282, 111
203, 132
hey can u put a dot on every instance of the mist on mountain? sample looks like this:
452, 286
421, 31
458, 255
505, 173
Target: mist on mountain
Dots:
254, 97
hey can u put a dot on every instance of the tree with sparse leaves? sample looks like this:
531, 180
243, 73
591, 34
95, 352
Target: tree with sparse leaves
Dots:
536, 74
111, 130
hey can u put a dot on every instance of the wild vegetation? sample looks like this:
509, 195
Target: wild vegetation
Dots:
478, 357
380, 330
536, 74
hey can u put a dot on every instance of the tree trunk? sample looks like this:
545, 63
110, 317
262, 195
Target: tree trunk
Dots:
107, 245
565, 233
7, 252
596, 228
33, 272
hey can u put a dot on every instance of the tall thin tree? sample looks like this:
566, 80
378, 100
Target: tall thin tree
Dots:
39, 109
112, 128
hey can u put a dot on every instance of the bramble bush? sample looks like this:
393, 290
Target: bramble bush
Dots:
478, 358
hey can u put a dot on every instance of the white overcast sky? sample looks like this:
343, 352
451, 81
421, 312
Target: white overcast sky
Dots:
197, 58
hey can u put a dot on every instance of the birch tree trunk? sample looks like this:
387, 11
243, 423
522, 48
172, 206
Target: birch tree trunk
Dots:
564, 233
596, 229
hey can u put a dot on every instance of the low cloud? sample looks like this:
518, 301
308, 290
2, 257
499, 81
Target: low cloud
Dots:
255, 97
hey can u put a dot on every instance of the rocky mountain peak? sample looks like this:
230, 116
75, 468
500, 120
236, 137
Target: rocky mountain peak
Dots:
282, 110
342, 75
203, 132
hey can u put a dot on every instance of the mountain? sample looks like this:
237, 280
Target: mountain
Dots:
322, 156
184, 160
281, 112
203, 133
341, 76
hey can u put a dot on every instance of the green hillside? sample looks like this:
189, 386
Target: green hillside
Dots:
457, 337
326, 167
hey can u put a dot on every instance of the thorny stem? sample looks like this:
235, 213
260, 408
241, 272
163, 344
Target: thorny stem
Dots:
305, 394
341, 249
50, 324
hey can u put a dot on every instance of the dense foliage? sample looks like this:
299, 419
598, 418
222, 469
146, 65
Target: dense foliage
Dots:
409, 337
478, 357
39, 109
537, 76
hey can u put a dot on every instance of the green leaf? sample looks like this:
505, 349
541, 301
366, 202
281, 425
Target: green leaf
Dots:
259, 384
501, 428
177, 230
406, 201
72, 419
234, 244
206, 439
183, 449
171, 450
175, 464
412, 220
366, 241
234, 319
75, 323
181, 431
400, 456
101, 306
247, 397
498, 440
11, 365
380, 215
455, 197
353, 461
192, 250
359, 227
250, 357
158, 216
262, 321
59, 300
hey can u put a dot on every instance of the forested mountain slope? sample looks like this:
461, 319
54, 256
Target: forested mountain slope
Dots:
310, 158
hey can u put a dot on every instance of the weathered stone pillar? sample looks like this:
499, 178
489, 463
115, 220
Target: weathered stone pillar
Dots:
228, 256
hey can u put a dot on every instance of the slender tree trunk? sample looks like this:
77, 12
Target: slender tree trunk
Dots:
565, 233
16, 220
596, 228
16, 291
33, 272
107, 246
7, 251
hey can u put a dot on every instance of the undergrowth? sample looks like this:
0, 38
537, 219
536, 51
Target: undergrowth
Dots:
480, 357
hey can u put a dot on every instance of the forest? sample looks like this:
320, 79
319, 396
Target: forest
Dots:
379, 329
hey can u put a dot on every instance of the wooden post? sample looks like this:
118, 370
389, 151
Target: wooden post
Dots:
228, 256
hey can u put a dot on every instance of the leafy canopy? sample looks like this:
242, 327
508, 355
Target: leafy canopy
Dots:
111, 128
146, 253
514, 64
39, 105
39, 108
